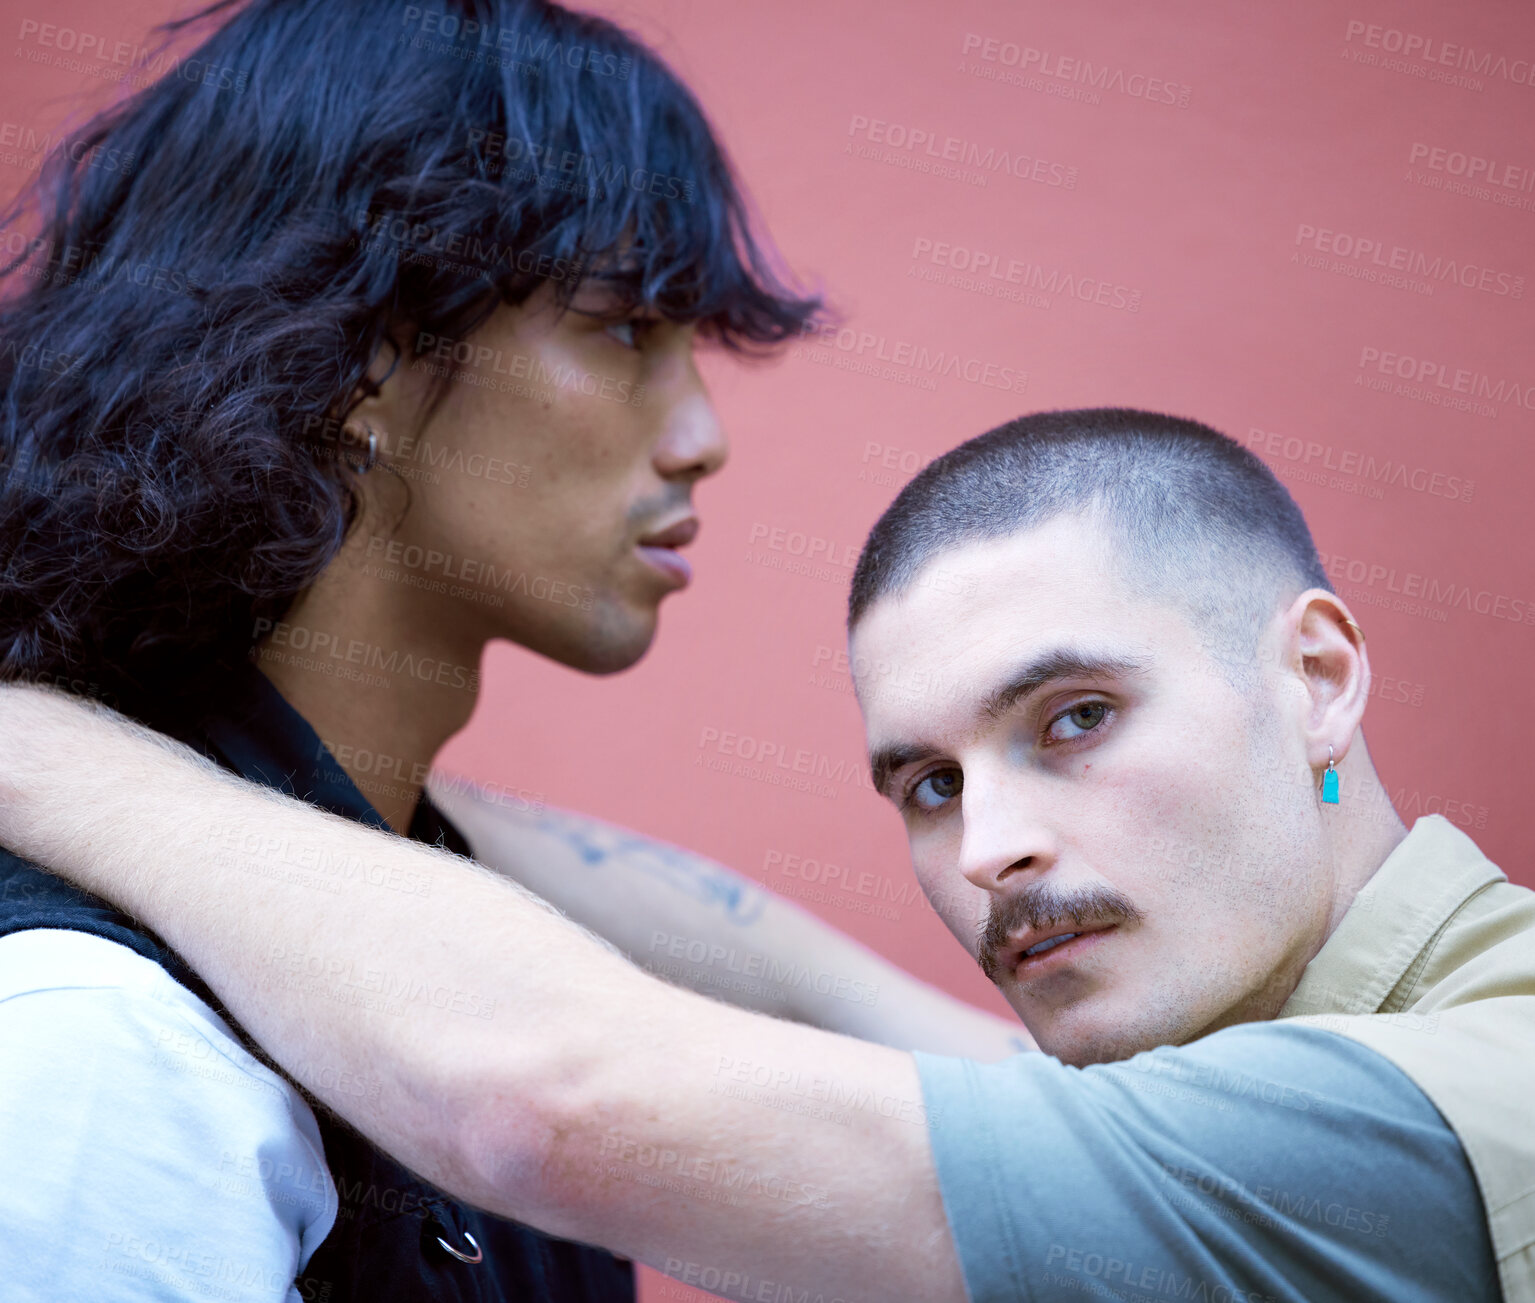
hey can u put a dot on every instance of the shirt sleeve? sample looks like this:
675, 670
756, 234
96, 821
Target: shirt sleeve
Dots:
146, 1154
1259, 1164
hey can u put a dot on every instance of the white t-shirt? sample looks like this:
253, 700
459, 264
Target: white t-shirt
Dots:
144, 1153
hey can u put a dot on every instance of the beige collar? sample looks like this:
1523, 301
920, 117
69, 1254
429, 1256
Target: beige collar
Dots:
1372, 960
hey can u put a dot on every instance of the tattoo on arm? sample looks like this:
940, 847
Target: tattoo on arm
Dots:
715, 885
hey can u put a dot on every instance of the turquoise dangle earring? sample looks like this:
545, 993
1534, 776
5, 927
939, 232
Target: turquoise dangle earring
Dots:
1330, 780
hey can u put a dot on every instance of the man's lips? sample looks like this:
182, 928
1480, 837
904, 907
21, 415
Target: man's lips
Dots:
1031, 952
659, 549
679, 534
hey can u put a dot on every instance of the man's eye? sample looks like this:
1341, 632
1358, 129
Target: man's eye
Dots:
936, 789
1081, 718
630, 331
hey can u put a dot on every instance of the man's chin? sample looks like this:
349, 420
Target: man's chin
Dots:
1090, 1031
610, 656
1083, 1051
605, 640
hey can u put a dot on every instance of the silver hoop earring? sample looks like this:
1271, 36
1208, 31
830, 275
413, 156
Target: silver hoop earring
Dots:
371, 459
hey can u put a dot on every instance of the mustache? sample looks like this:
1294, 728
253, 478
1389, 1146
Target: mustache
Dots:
1044, 905
660, 506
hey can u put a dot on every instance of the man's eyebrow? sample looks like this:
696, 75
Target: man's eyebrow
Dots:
1048, 667
1053, 665
884, 761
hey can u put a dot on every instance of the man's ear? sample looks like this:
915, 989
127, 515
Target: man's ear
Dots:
1328, 654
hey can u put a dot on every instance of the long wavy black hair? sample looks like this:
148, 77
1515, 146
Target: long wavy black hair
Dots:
215, 262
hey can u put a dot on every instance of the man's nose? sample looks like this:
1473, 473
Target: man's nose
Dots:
1004, 838
692, 443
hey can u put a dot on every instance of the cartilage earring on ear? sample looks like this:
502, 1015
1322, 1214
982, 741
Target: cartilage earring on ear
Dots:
1330, 780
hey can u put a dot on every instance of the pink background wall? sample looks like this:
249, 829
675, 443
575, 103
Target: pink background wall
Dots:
1244, 236
1232, 224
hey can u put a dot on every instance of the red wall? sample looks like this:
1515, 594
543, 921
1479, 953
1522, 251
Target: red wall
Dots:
1243, 235
1225, 226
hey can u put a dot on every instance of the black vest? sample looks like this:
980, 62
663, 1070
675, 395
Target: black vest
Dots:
391, 1227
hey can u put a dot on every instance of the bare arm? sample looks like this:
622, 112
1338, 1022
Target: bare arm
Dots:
700, 924
520, 1064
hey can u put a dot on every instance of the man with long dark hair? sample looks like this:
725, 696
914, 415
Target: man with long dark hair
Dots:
380, 349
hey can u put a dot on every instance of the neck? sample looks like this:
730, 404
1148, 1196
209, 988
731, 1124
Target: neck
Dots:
1365, 831
1360, 832
386, 688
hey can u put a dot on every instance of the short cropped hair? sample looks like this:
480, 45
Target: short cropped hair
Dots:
1202, 524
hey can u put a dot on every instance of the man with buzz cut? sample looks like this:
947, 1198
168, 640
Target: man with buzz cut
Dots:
1286, 1041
